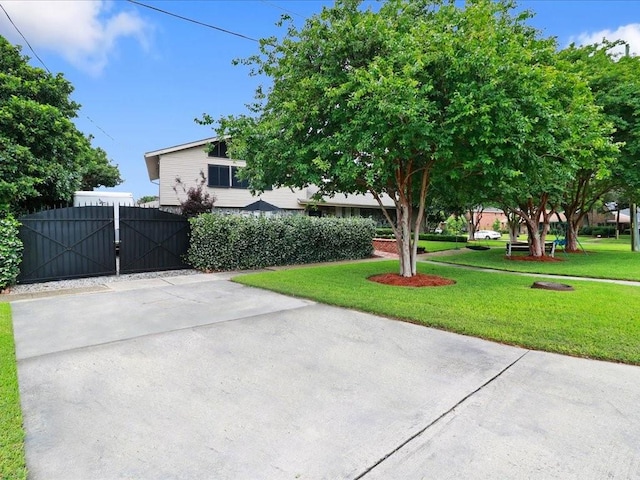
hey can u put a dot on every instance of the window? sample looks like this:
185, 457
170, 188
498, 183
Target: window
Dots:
218, 149
235, 183
218, 176
224, 176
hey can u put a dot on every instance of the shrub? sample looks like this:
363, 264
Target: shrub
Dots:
234, 242
384, 232
198, 200
603, 231
433, 237
10, 251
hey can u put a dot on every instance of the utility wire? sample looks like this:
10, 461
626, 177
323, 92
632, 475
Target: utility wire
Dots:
271, 4
25, 39
100, 128
45, 66
197, 22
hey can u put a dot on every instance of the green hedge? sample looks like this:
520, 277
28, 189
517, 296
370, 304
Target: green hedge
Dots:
234, 242
603, 231
10, 251
432, 237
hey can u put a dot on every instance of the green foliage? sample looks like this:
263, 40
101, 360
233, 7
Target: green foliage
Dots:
435, 237
588, 322
603, 231
496, 225
12, 458
431, 237
234, 242
43, 157
10, 251
146, 199
417, 92
196, 200
615, 82
455, 225
384, 232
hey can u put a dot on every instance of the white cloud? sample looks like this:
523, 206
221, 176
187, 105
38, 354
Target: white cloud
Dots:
629, 33
85, 33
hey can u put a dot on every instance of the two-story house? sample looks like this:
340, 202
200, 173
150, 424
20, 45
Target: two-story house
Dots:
209, 156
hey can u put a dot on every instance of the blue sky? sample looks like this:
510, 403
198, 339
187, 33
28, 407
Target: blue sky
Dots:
142, 76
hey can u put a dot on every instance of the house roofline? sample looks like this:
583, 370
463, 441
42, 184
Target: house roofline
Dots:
152, 159
182, 146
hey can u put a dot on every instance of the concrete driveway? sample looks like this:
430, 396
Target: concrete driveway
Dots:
196, 377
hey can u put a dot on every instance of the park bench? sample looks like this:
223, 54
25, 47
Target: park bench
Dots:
549, 247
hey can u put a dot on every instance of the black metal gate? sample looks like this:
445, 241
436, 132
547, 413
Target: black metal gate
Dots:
67, 243
152, 240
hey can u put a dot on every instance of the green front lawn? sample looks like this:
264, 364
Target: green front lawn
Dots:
431, 247
593, 321
12, 460
599, 262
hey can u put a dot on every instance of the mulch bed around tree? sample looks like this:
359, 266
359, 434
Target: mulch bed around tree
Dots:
419, 280
530, 258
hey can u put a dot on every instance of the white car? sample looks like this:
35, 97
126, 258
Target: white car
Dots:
487, 235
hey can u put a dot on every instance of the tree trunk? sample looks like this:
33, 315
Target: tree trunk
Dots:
574, 219
536, 247
571, 237
404, 242
475, 215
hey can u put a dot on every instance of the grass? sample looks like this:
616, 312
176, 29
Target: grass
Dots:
591, 321
601, 261
12, 459
440, 246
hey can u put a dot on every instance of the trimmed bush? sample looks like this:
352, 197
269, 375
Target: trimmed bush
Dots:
603, 231
234, 242
432, 237
10, 251
436, 237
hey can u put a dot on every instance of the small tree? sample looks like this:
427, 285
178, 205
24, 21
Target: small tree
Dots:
497, 226
197, 200
455, 224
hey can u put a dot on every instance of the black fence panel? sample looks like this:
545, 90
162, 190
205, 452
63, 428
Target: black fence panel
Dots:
66, 243
152, 240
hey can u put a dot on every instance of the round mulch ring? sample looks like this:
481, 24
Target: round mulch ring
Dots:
560, 287
530, 258
419, 280
478, 247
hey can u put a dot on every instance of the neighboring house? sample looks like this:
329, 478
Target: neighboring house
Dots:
490, 215
621, 218
186, 161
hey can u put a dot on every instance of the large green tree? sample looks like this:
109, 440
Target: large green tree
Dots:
386, 102
43, 156
573, 136
615, 83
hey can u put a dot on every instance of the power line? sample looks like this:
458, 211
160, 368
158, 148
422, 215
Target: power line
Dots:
271, 4
100, 128
24, 38
197, 22
45, 66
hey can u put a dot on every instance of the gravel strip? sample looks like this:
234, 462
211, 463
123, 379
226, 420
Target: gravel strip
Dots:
91, 281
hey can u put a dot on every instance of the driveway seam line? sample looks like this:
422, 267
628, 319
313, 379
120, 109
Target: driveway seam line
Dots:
192, 327
437, 420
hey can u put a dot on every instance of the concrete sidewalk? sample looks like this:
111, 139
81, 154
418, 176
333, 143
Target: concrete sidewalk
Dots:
197, 378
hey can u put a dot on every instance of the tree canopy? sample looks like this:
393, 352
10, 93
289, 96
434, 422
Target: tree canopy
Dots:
420, 91
43, 156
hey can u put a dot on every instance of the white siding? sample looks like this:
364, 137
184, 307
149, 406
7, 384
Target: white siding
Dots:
186, 164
